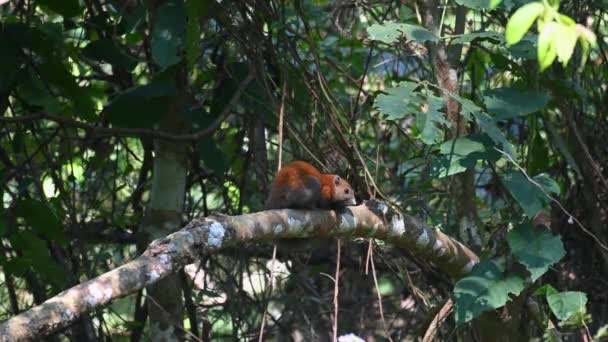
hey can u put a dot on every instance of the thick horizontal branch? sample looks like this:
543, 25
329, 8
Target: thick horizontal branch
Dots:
207, 235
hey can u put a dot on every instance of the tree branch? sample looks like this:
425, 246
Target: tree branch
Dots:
208, 235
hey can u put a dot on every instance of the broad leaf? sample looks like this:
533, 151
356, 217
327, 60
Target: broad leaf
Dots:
67, 8
547, 51
458, 155
493, 37
140, 106
536, 248
530, 198
212, 156
486, 288
429, 121
566, 42
394, 104
108, 51
507, 103
41, 218
168, 33
390, 32
565, 304
521, 21
488, 125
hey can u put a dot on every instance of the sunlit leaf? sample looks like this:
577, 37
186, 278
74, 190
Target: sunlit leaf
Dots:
566, 42
547, 51
521, 21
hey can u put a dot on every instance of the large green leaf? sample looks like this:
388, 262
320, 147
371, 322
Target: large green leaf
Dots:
546, 48
35, 253
486, 288
566, 304
488, 125
194, 11
212, 156
530, 198
140, 106
108, 51
521, 21
168, 33
67, 8
536, 248
390, 32
41, 218
457, 155
507, 103
493, 37
429, 121
395, 103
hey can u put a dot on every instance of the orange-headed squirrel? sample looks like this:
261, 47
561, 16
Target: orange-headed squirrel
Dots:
300, 185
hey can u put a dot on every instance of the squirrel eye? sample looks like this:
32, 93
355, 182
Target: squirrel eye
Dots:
346, 191
337, 180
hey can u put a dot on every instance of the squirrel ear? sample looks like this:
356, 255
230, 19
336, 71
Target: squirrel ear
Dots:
336, 180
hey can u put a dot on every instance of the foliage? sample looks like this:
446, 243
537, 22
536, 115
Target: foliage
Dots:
457, 114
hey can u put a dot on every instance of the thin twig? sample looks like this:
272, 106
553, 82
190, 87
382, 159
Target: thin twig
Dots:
370, 253
435, 324
274, 247
336, 289
262, 326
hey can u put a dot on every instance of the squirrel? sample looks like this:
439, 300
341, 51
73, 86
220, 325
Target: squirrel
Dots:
299, 185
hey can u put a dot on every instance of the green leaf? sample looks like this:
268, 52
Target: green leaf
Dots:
390, 32
547, 50
397, 100
566, 42
108, 51
507, 103
458, 155
168, 33
488, 125
41, 218
2, 223
67, 8
521, 21
212, 156
193, 31
536, 248
566, 304
35, 253
479, 4
429, 122
548, 183
140, 106
486, 288
529, 197
493, 37
526, 48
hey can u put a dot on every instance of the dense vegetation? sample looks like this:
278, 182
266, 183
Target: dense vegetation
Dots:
122, 120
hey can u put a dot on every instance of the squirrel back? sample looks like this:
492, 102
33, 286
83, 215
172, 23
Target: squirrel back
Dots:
300, 185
